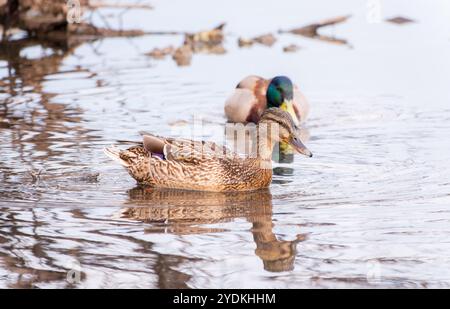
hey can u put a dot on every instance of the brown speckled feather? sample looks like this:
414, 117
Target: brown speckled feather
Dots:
195, 165
203, 166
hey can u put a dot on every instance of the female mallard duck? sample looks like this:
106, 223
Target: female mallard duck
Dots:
254, 94
206, 166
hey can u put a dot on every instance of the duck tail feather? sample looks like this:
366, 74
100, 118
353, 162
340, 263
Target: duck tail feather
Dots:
114, 153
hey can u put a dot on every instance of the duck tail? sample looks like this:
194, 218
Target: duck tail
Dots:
114, 153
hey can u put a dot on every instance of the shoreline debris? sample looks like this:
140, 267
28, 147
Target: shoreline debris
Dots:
207, 41
161, 53
311, 29
183, 55
292, 48
93, 5
266, 39
400, 20
245, 42
49, 19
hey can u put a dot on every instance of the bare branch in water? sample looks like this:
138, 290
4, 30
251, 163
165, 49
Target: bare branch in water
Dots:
311, 29
49, 19
95, 5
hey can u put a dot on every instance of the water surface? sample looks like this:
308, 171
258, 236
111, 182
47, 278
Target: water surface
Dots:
370, 209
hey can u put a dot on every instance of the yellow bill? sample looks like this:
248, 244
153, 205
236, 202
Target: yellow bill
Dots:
288, 106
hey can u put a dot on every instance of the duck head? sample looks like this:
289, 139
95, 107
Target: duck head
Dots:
287, 131
280, 93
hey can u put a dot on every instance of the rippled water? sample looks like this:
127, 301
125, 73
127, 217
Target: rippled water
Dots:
371, 209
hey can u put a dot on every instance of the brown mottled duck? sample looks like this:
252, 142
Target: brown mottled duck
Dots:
205, 166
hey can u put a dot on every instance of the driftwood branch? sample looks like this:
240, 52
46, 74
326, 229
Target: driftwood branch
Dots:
95, 5
311, 29
48, 18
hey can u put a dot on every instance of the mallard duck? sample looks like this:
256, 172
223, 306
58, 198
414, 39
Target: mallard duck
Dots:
206, 166
254, 94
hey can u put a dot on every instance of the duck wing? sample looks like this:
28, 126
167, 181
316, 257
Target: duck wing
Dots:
183, 150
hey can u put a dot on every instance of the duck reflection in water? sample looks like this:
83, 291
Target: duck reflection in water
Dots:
183, 212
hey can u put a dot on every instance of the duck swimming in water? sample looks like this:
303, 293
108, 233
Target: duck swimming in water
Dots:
254, 94
205, 166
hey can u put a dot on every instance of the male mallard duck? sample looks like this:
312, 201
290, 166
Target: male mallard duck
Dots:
254, 94
206, 166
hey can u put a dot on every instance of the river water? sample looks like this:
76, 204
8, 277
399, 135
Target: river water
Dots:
370, 209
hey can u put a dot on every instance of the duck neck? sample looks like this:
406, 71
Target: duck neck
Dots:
266, 142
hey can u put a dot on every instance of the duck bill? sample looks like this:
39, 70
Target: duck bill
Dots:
288, 106
300, 148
